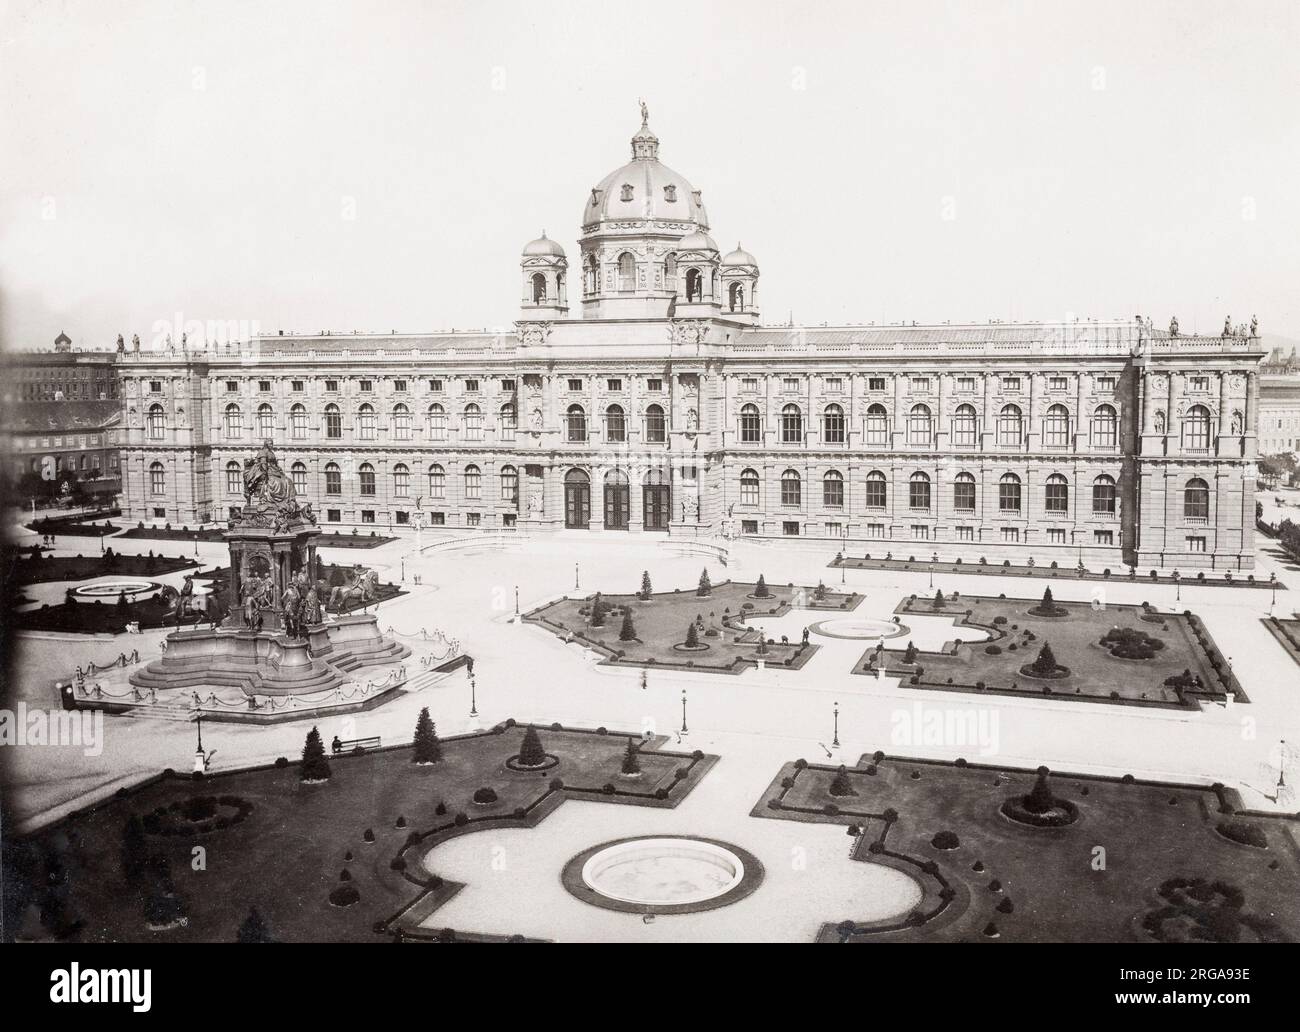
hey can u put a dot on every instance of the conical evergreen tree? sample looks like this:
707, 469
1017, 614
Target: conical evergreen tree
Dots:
627, 632
909, 656
705, 587
840, 784
531, 752
760, 589
598, 611
315, 766
692, 636
254, 928
645, 586
631, 761
1048, 601
1040, 798
820, 593
1046, 662
427, 747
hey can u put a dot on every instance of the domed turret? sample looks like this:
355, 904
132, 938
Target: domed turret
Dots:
740, 286
543, 270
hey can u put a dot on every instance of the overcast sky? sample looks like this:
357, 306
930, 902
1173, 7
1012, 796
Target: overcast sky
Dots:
310, 165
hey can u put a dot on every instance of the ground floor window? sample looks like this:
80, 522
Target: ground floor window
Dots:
1055, 536
965, 533
920, 532
367, 515
473, 519
790, 528
835, 529
1011, 534
437, 519
1103, 537
333, 516
159, 513
749, 526
875, 530
403, 517
1196, 544
508, 519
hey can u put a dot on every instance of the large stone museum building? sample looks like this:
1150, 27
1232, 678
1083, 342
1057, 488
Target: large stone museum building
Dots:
639, 392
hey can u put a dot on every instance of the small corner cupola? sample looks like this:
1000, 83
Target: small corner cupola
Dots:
740, 286
645, 144
544, 293
62, 342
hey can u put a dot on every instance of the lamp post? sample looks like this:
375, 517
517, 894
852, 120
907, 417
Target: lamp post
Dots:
844, 552
933, 559
473, 697
835, 740
575, 578
1178, 586
683, 711
1272, 583
516, 601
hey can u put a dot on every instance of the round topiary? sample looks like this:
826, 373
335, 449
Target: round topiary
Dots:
485, 796
945, 840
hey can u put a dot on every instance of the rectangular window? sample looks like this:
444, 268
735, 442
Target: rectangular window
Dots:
654, 385
508, 520
155, 386
920, 532
297, 386
1200, 383
1055, 536
790, 383
333, 515
1057, 383
1103, 537
613, 385
575, 384
834, 383
161, 514
367, 386
399, 386
965, 533
749, 383
437, 519
875, 530
331, 386
749, 526
1196, 544
1011, 535
790, 528
508, 386
232, 386
367, 515
471, 386
403, 517
835, 529
1011, 383
875, 383
264, 386
1105, 383
920, 383
435, 386
473, 519
965, 383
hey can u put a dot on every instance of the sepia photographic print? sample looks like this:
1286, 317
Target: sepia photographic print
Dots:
682, 473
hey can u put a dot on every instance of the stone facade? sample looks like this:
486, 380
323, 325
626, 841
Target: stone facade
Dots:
668, 407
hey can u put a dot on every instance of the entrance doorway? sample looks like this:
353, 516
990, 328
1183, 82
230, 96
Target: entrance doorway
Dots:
618, 501
656, 500
577, 500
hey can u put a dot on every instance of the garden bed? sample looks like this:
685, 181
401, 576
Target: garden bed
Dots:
43, 570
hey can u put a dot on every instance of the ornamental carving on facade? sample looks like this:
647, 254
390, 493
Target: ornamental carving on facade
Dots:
533, 333
687, 331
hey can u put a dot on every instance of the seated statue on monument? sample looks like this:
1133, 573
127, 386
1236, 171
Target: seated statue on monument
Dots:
269, 497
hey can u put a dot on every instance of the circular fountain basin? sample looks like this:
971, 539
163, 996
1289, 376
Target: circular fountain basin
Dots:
112, 587
665, 875
858, 627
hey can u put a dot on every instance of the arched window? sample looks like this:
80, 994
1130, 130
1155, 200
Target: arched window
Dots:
670, 272
656, 430
877, 491
333, 422
509, 421
234, 478
265, 422
155, 423
920, 427
401, 423
626, 272
591, 275
736, 297
1009, 493
401, 480
877, 428
437, 481
751, 425
1010, 427
694, 285
749, 487
1056, 427
791, 488
576, 419
366, 475
615, 425
333, 479
510, 485
234, 423
437, 423
833, 425
298, 474
963, 492
1196, 429
473, 482
298, 422
918, 491
791, 425
366, 423
539, 288
473, 418
833, 489
965, 427
157, 479
1196, 500
1057, 496
1105, 427
1103, 494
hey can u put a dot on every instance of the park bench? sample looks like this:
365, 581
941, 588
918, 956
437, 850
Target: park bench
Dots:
356, 744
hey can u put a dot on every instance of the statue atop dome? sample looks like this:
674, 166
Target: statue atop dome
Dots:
645, 116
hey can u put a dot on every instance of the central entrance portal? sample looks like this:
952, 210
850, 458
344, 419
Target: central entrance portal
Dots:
617, 500
656, 500
577, 500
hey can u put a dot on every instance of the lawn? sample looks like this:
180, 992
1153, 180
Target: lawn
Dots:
661, 623
1143, 861
281, 846
41, 570
102, 616
1287, 633
1093, 672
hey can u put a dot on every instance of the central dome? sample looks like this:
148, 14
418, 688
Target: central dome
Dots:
646, 189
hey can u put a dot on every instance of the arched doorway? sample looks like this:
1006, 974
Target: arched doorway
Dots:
617, 500
656, 500
577, 500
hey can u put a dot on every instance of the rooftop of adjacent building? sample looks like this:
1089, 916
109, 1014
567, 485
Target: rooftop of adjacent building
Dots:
61, 416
